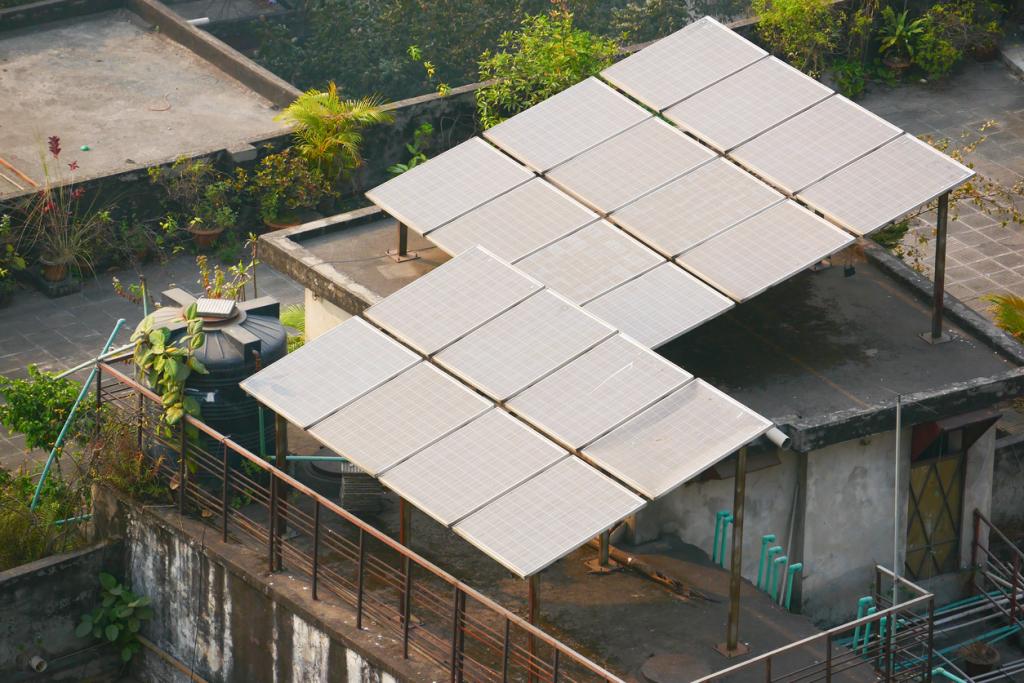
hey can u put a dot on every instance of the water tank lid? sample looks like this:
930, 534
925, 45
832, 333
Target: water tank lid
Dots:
215, 308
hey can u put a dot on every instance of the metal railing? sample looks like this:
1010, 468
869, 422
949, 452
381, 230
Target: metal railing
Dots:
997, 573
867, 644
426, 610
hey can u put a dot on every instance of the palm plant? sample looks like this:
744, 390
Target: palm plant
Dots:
329, 130
898, 35
1008, 310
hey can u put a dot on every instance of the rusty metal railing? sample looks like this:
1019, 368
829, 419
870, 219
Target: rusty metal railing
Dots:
997, 575
392, 589
870, 644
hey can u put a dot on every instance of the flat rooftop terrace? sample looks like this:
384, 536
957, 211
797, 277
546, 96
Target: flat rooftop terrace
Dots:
133, 95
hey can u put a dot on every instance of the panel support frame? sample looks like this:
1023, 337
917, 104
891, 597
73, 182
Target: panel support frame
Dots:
401, 252
732, 647
936, 335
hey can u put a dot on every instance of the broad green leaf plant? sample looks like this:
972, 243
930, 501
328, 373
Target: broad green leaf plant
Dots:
166, 367
118, 618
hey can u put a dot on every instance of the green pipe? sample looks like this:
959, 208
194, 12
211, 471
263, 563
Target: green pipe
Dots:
939, 671
71, 417
145, 296
765, 540
726, 521
69, 520
718, 530
867, 629
777, 571
770, 566
263, 438
790, 575
862, 605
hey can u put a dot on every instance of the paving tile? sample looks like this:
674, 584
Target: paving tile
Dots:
991, 248
980, 285
1008, 279
1013, 259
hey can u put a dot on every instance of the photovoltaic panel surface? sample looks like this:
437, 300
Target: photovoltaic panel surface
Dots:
589, 262
598, 391
517, 223
331, 371
660, 305
747, 103
629, 165
885, 185
472, 466
447, 186
764, 250
401, 417
566, 124
677, 438
696, 207
682, 63
813, 144
548, 516
451, 300
523, 344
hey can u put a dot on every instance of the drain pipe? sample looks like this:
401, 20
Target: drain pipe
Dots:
790, 576
719, 516
862, 604
939, 671
777, 571
765, 541
770, 566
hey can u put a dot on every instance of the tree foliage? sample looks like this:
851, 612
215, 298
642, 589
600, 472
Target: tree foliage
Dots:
805, 32
545, 56
37, 406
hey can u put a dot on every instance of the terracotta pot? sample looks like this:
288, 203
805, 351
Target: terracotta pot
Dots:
985, 52
979, 658
52, 271
897, 65
204, 239
281, 223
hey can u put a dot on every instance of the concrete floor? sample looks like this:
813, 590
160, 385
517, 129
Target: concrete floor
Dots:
132, 95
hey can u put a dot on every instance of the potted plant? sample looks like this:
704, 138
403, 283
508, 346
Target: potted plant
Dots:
9, 260
198, 196
283, 185
898, 39
134, 240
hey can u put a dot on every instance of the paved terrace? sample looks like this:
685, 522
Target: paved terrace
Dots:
131, 94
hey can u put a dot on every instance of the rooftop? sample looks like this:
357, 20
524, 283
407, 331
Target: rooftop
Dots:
130, 93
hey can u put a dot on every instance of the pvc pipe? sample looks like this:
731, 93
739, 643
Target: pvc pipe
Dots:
71, 417
718, 530
790, 576
69, 520
867, 629
939, 671
862, 605
777, 571
778, 437
726, 521
765, 540
770, 566
103, 356
201, 21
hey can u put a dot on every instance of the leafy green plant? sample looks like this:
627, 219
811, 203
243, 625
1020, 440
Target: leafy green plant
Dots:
420, 139
229, 283
119, 462
328, 131
804, 32
851, 77
545, 56
38, 406
936, 54
416, 55
294, 316
118, 618
27, 535
166, 367
898, 36
10, 260
283, 183
642, 20
197, 195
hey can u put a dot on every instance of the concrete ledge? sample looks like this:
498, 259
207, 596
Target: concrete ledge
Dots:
52, 10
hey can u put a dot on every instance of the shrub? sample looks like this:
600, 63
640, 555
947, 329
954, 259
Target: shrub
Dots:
851, 77
1008, 310
38, 406
805, 32
545, 56
642, 20
284, 183
118, 618
27, 535
935, 53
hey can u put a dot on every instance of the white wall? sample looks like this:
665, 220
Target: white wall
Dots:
321, 315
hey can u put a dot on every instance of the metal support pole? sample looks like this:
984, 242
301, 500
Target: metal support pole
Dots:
404, 522
281, 463
533, 612
360, 579
1014, 587
928, 665
828, 657
316, 547
941, 227
182, 467
555, 665
732, 645
506, 644
226, 493
605, 542
888, 645
457, 606
272, 523
406, 604
401, 252
896, 504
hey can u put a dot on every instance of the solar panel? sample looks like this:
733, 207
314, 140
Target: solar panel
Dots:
747, 103
696, 207
399, 418
885, 185
676, 439
659, 305
548, 516
447, 186
517, 223
472, 466
629, 165
588, 263
332, 370
598, 391
522, 345
451, 300
566, 124
815, 143
682, 63
764, 250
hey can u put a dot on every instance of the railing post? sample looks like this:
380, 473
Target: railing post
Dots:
406, 605
457, 642
99, 393
316, 546
974, 551
768, 670
828, 657
1014, 587
281, 462
271, 525
226, 494
506, 644
554, 666
928, 665
360, 579
891, 626
182, 466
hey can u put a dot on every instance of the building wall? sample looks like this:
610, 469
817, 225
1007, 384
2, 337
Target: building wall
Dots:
321, 315
1008, 487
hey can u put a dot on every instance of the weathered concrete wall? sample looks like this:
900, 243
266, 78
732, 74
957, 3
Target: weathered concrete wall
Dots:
1008, 487
42, 603
219, 611
321, 315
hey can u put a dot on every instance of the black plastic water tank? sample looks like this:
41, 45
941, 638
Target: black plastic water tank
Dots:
241, 339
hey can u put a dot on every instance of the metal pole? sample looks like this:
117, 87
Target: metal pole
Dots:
533, 612
403, 239
281, 463
406, 605
505, 647
896, 504
828, 657
404, 522
225, 504
360, 579
182, 467
316, 547
732, 645
605, 541
941, 224
931, 641
456, 628
272, 522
